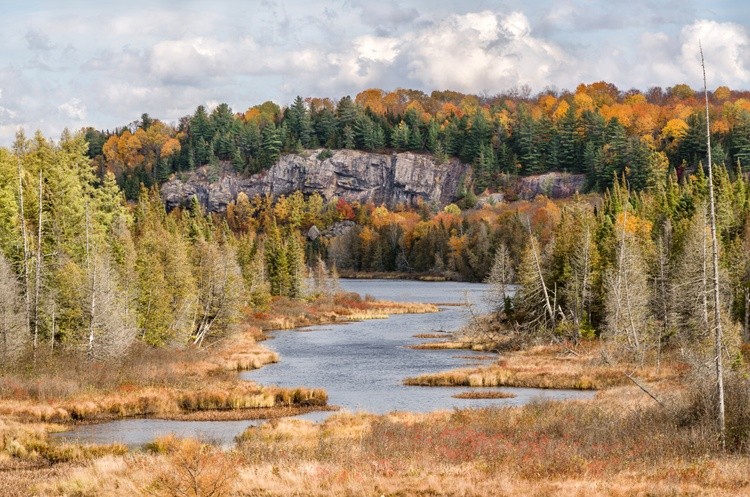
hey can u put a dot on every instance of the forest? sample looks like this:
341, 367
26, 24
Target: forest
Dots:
597, 130
83, 266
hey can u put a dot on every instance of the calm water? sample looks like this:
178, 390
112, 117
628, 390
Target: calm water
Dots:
361, 365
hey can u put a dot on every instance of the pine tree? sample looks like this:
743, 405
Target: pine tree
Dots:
271, 143
400, 136
277, 263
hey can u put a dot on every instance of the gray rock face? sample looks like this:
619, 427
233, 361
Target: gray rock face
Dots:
552, 185
348, 174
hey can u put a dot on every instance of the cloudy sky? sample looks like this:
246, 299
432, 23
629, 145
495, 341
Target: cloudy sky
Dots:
74, 63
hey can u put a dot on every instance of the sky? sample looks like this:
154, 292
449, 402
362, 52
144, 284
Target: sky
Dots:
73, 63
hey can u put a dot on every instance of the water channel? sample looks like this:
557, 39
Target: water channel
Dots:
361, 365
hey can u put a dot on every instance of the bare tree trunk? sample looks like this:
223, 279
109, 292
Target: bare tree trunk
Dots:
704, 288
715, 247
38, 275
548, 304
746, 327
629, 307
663, 261
92, 275
26, 256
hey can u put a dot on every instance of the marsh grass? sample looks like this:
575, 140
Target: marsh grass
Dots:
452, 345
430, 335
549, 366
487, 394
601, 447
287, 313
148, 382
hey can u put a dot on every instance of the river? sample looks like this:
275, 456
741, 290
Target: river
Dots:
361, 365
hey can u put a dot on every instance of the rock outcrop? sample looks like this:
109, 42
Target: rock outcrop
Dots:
552, 185
348, 174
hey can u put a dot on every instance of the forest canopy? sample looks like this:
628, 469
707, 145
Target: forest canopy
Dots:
597, 130
85, 269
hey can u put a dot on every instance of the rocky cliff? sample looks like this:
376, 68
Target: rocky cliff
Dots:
348, 174
552, 185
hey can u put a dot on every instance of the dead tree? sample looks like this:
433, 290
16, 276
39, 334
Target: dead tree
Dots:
715, 248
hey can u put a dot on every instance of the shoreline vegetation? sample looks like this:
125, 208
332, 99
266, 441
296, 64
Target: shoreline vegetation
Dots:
196, 384
188, 384
620, 442
395, 275
552, 366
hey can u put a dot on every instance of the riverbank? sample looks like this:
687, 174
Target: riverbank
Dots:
624, 445
196, 384
620, 443
395, 275
193, 383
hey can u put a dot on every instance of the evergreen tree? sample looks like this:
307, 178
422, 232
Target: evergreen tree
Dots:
568, 154
271, 143
400, 136
277, 263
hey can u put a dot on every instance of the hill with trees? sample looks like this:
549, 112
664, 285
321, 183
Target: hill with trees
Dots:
597, 130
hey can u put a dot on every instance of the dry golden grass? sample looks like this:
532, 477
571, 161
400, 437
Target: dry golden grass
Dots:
487, 394
598, 448
477, 357
548, 366
453, 345
160, 384
287, 313
430, 335
241, 352
166, 402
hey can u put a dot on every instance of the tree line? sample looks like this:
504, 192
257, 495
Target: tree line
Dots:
635, 268
597, 130
81, 270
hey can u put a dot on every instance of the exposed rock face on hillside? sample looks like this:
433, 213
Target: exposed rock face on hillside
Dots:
348, 174
552, 185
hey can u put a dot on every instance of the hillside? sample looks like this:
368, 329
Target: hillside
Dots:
363, 177
597, 131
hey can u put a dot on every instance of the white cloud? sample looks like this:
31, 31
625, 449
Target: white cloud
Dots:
663, 60
484, 52
725, 46
73, 109
104, 68
7, 113
377, 49
188, 61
